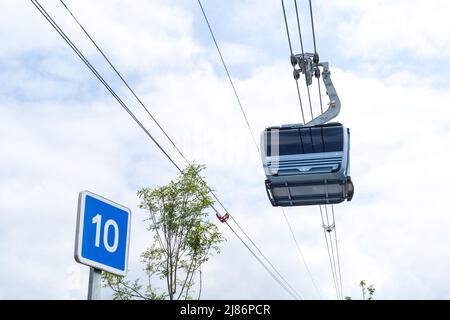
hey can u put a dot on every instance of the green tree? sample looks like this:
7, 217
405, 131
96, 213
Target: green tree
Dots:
362, 284
370, 290
184, 239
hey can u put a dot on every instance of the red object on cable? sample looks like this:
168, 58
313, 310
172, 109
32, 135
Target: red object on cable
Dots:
223, 218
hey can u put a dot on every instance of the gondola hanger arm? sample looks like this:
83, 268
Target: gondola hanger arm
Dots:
309, 65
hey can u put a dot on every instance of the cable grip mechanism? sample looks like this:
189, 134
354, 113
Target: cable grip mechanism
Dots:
308, 64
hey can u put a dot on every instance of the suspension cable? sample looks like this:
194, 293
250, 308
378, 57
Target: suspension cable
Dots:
300, 101
332, 251
229, 77
267, 269
290, 48
100, 78
337, 280
242, 111
300, 252
321, 109
315, 51
135, 95
298, 25
123, 80
47, 16
329, 253
330, 256
262, 254
337, 252
287, 28
246, 119
303, 53
312, 26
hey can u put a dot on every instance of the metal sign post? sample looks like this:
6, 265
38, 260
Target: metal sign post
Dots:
95, 284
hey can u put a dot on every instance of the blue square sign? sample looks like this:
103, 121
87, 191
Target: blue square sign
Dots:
103, 232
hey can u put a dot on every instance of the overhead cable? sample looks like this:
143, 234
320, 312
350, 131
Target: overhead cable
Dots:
113, 93
246, 119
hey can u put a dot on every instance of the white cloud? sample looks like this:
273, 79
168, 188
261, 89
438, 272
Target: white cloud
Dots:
380, 30
142, 37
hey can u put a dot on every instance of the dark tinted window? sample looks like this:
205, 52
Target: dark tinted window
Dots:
307, 140
317, 140
290, 142
333, 139
268, 149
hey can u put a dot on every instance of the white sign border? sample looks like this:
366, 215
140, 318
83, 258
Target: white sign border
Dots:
79, 234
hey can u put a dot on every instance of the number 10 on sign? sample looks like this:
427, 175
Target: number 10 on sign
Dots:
103, 230
98, 221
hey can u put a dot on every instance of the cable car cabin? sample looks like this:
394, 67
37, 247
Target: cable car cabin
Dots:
307, 165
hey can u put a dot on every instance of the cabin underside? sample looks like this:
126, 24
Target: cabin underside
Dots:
318, 192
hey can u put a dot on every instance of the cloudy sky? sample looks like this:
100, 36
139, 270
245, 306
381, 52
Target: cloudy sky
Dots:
61, 132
